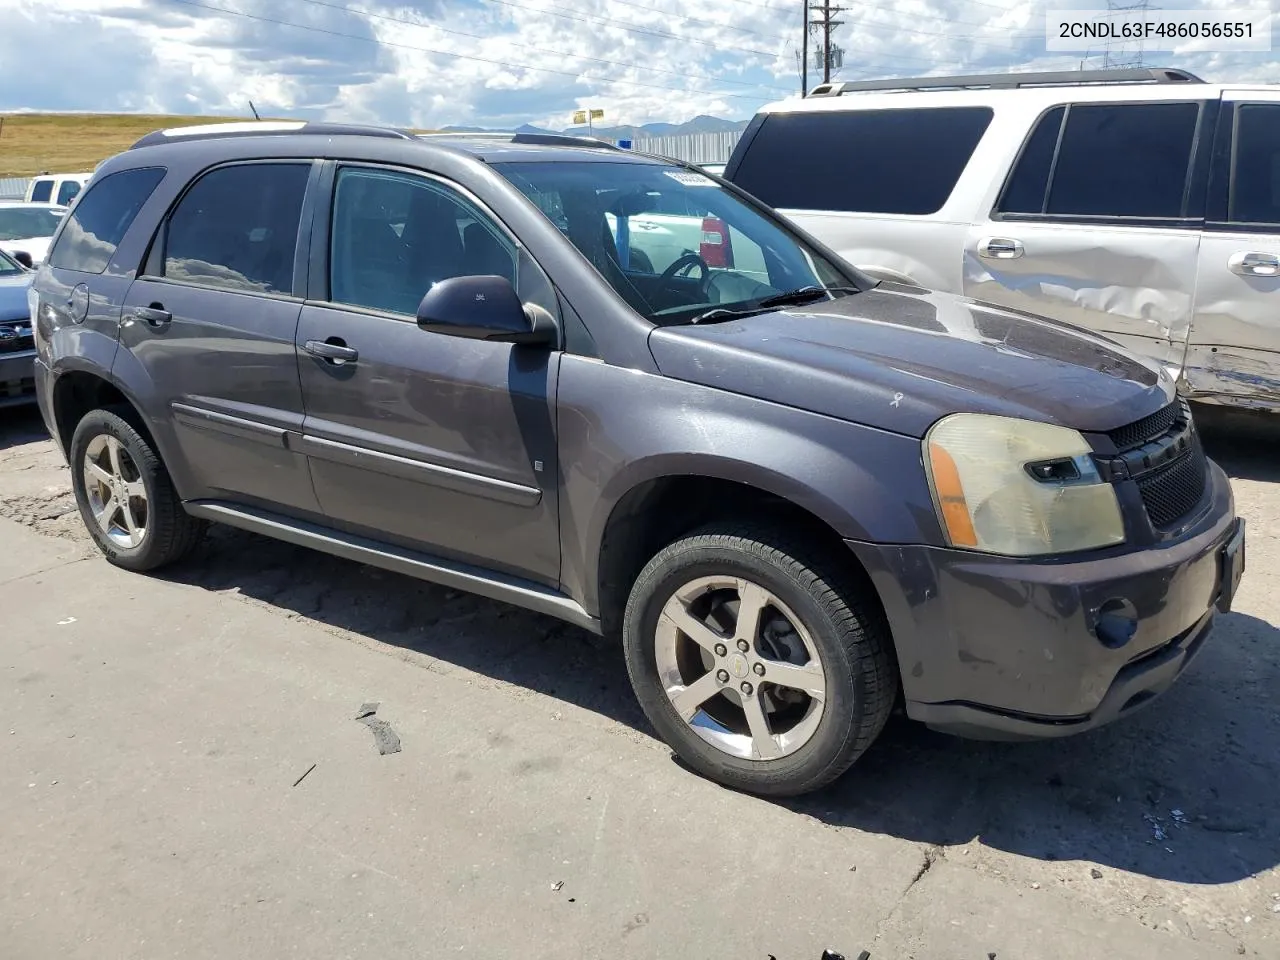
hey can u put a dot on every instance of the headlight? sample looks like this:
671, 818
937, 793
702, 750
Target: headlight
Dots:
1017, 487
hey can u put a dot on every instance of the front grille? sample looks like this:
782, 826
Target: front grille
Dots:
1149, 428
1170, 492
15, 344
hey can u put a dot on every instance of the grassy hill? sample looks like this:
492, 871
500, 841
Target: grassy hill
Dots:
31, 143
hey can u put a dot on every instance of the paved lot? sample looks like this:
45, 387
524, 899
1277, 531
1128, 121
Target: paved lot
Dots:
152, 730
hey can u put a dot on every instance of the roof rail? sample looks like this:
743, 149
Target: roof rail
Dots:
259, 128
542, 139
1009, 81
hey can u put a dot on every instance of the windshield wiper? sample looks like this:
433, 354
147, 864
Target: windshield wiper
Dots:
798, 296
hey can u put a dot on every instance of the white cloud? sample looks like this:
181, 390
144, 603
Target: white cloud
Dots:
502, 62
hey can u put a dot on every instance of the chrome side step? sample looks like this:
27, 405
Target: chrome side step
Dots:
459, 576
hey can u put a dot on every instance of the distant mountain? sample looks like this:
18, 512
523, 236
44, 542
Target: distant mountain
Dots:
701, 124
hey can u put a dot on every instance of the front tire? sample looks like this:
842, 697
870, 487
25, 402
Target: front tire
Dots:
762, 662
125, 495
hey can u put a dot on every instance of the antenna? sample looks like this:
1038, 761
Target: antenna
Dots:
255, 111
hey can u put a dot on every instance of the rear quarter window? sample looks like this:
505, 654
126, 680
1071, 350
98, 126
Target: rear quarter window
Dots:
900, 161
101, 218
41, 191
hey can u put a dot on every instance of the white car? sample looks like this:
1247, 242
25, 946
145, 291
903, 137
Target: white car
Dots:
1142, 204
28, 227
56, 188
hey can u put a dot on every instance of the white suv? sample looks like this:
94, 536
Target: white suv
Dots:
1143, 204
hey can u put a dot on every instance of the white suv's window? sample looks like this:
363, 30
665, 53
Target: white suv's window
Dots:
42, 191
903, 161
1255, 174
1124, 160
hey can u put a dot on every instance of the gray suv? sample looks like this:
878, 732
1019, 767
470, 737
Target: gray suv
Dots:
798, 495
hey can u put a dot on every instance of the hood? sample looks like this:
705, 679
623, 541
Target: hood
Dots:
899, 358
36, 246
13, 296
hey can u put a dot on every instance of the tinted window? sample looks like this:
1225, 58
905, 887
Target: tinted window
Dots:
1124, 160
67, 192
1025, 190
42, 191
101, 218
1255, 182
395, 235
866, 161
237, 228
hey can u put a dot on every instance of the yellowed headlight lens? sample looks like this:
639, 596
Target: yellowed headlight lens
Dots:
987, 500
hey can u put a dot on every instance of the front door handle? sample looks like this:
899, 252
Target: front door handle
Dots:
334, 350
1000, 248
1249, 264
154, 315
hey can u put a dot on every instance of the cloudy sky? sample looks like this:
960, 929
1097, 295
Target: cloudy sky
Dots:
429, 63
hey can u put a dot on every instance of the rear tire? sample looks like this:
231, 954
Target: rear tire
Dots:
685, 608
125, 495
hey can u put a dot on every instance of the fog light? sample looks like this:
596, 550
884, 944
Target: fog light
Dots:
1117, 624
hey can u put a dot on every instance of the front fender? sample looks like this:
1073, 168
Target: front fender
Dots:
622, 428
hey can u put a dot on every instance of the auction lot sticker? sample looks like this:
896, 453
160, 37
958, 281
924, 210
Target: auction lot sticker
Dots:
1170, 31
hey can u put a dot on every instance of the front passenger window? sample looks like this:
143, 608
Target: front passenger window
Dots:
395, 235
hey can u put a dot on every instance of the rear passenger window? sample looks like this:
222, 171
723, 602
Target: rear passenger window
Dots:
1255, 175
1029, 181
1124, 160
102, 217
237, 228
42, 191
865, 161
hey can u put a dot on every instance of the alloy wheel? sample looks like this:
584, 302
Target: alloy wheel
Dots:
740, 668
117, 496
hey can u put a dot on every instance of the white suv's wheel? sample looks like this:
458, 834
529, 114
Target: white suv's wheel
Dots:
761, 663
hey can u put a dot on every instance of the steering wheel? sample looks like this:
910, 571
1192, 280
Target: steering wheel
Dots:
684, 263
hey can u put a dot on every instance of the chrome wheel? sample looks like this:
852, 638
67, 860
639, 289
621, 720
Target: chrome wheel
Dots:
740, 668
115, 491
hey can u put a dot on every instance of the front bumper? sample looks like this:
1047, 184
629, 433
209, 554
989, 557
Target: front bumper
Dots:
1012, 649
17, 378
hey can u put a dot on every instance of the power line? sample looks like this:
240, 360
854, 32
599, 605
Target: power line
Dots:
711, 23
460, 56
684, 74
630, 27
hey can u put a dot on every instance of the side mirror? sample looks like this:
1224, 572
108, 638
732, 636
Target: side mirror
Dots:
483, 308
24, 258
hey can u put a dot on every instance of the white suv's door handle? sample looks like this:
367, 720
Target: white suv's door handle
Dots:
1000, 248
1255, 264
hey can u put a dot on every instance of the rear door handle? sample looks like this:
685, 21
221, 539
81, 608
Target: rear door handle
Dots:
155, 316
1249, 264
333, 350
1000, 248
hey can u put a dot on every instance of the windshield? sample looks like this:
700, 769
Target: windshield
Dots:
673, 243
21, 223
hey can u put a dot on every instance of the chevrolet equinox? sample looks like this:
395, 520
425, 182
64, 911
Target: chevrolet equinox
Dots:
799, 496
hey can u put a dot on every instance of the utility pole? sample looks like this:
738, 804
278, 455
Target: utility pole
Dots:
832, 56
804, 53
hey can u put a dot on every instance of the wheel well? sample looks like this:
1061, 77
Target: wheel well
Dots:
656, 512
77, 393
